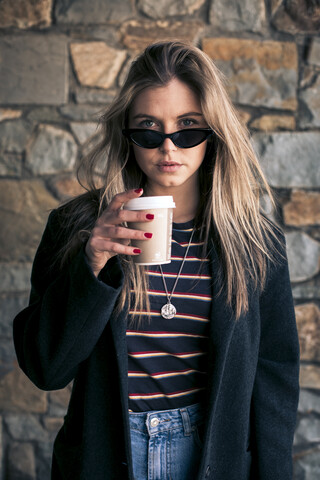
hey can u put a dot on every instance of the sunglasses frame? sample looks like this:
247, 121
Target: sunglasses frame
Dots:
129, 131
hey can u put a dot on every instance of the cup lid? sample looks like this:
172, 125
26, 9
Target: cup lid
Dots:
145, 203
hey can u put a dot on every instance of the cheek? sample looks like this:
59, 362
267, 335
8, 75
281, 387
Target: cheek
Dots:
199, 154
143, 158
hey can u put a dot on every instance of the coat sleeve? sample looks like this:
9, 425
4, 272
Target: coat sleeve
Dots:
67, 313
276, 388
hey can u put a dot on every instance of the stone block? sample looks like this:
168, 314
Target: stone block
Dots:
96, 64
44, 459
244, 116
53, 424
25, 427
84, 131
235, 16
314, 52
268, 208
295, 16
309, 402
82, 113
59, 401
310, 376
15, 277
308, 77
24, 207
52, 150
310, 116
290, 159
25, 13
18, 394
308, 322
9, 114
302, 209
272, 123
167, 8
138, 34
9, 307
303, 256
10, 165
98, 96
21, 461
7, 356
14, 134
308, 431
44, 114
97, 12
307, 291
125, 71
259, 73
307, 464
34, 69
65, 187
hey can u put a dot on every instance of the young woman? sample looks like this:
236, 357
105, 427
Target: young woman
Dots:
212, 392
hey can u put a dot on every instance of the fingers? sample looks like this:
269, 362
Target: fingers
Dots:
121, 198
110, 237
109, 246
117, 217
119, 233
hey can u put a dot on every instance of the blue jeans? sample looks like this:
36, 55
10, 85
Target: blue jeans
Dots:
166, 444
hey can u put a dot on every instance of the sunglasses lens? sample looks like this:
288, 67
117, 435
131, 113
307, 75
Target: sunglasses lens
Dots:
189, 138
183, 139
147, 138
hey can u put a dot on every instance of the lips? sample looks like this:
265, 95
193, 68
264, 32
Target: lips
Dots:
169, 164
168, 167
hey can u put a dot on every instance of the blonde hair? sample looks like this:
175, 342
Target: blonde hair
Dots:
231, 179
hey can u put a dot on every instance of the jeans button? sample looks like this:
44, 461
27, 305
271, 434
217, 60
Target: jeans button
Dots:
154, 422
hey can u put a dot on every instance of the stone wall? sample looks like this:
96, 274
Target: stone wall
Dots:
61, 62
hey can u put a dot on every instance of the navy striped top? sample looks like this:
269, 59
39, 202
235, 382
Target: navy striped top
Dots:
167, 359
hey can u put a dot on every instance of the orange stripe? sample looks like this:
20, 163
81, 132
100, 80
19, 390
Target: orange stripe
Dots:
181, 315
163, 375
182, 275
165, 354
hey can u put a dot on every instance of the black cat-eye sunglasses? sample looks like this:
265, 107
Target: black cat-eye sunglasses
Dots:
187, 138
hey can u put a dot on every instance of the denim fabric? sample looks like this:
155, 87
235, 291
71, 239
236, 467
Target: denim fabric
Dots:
166, 444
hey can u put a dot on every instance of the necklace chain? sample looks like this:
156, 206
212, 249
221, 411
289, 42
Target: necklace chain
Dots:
168, 310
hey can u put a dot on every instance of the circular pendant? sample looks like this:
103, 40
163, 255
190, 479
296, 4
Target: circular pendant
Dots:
168, 311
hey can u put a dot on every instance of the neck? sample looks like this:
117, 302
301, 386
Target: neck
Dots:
186, 201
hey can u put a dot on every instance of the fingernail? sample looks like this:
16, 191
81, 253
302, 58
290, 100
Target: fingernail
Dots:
138, 190
136, 250
148, 235
150, 216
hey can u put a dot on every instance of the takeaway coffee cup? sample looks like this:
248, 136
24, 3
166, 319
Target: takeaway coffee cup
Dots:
156, 250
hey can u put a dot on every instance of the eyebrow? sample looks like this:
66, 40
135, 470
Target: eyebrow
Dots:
187, 114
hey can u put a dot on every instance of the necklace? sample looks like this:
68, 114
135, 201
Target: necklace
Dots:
168, 310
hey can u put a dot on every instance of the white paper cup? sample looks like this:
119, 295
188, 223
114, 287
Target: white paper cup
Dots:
156, 250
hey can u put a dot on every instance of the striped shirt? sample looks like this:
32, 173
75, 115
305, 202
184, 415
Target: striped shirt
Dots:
167, 359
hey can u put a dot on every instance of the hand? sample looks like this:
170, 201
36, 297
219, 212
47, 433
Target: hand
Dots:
109, 237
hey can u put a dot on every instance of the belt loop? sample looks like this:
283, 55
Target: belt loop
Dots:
186, 421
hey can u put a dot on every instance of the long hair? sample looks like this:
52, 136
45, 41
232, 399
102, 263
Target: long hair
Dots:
231, 179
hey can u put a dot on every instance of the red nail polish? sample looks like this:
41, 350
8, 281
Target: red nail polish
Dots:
150, 216
148, 235
138, 190
136, 250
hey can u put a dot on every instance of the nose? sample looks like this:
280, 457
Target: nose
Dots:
167, 146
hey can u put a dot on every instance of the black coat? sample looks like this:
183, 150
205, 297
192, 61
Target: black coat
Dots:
69, 331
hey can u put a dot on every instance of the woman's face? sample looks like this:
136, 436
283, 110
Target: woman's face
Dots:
168, 109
